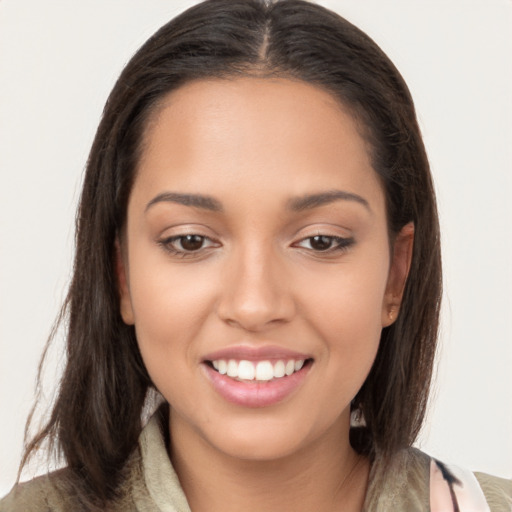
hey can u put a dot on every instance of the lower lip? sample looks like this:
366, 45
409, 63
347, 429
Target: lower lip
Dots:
256, 393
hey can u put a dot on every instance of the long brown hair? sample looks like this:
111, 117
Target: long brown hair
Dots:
96, 418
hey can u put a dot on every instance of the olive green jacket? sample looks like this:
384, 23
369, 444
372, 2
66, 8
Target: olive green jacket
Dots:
151, 485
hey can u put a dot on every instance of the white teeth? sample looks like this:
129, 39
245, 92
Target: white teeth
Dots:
232, 368
279, 369
246, 370
261, 371
264, 370
223, 366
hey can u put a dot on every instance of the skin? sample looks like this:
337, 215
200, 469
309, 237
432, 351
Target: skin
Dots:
255, 146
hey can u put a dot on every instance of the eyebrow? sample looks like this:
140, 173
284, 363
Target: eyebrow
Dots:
194, 200
310, 201
298, 204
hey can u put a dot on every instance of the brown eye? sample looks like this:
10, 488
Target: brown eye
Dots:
321, 242
191, 242
187, 245
325, 243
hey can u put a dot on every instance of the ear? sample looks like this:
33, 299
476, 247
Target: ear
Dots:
398, 272
125, 300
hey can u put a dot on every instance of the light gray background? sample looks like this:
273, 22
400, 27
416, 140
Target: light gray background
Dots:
58, 61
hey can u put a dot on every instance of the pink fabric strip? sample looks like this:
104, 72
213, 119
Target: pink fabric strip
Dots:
469, 494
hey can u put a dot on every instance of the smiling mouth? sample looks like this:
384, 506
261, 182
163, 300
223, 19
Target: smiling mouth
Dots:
259, 371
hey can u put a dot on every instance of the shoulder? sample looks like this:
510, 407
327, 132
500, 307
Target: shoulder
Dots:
400, 484
42, 494
54, 492
414, 481
467, 490
497, 491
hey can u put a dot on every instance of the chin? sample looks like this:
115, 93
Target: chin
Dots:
263, 448
266, 439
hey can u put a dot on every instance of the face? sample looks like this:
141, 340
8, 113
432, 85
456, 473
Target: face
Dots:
256, 264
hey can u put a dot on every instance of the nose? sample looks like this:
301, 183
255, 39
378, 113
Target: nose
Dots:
256, 292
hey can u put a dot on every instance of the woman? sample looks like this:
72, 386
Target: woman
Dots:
258, 242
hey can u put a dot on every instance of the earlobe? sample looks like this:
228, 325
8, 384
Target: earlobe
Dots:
398, 272
125, 301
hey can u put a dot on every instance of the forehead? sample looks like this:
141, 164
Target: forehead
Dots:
271, 135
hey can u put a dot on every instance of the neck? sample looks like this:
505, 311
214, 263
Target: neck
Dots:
326, 475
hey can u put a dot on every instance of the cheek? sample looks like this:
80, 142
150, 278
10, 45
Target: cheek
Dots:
353, 332
170, 305
349, 296
166, 294
344, 309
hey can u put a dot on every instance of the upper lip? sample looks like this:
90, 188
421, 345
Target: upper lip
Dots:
251, 353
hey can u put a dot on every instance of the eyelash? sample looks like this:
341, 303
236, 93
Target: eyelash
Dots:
340, 244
